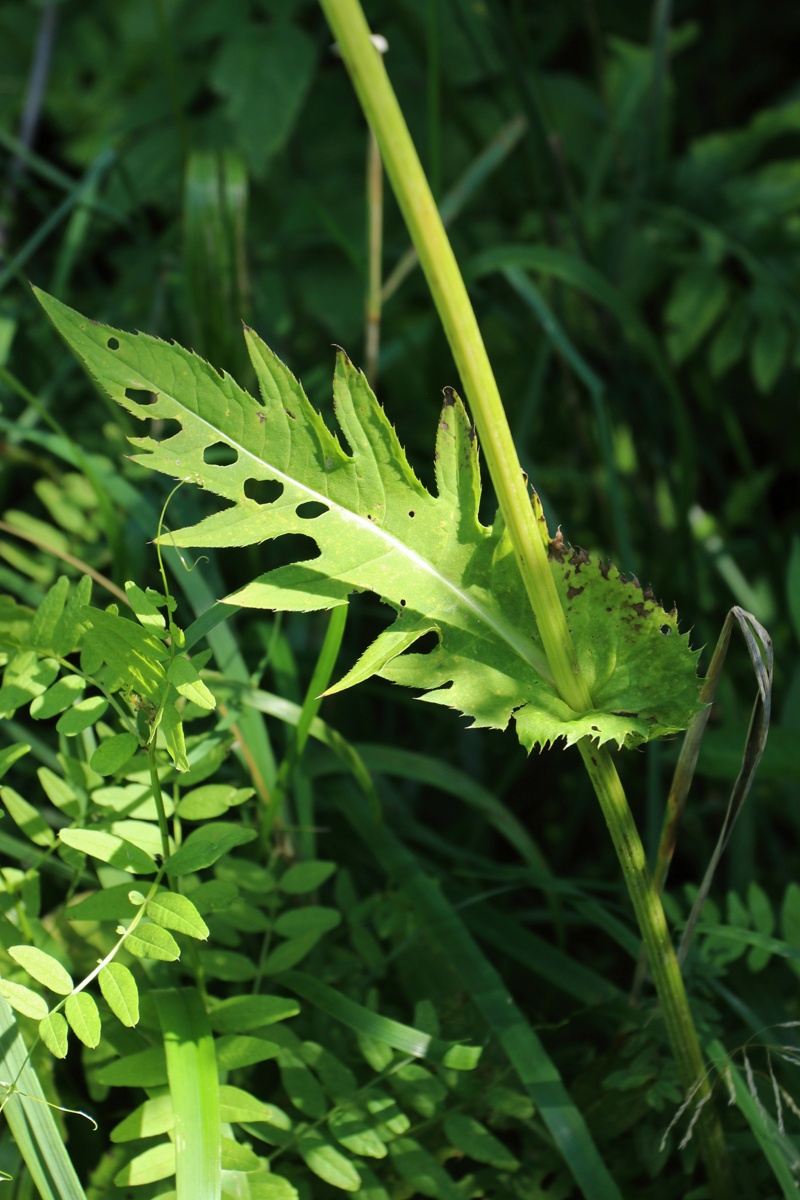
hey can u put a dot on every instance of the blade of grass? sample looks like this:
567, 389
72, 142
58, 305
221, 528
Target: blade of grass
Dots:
582, 276
31, 1119
320, 679
194, 1088
526, 1054
532, 297
404, 1038
84, 186
459, 196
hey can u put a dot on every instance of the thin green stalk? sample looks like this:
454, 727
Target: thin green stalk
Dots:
528, 533
455, 310
666, 974
372, 332
320, 679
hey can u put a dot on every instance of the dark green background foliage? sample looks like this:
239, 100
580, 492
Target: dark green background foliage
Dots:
625, 187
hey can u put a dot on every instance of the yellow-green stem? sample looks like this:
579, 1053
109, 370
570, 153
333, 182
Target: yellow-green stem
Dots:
449, 293
372, 331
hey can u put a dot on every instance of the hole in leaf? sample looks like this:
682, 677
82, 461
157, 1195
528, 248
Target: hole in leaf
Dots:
665, 629
220, 455
310, 509
402, 603
113, 343
426, 644
140, 397
164, 428
412, 513
263, 491
290, 550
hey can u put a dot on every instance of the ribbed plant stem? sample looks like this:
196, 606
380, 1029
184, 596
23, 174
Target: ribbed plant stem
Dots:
663, 963
436, 257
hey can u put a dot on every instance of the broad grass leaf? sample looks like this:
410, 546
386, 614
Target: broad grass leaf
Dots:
328, 1163
54, 1032
43, 968
174, 911
428, 557
306, 877
21, 998
151, 941
109, 848
120, 993
84, 1018
204, 846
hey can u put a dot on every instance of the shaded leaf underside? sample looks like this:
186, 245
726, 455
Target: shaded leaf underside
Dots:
378, 529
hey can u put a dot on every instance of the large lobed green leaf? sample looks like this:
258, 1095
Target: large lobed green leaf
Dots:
378, 529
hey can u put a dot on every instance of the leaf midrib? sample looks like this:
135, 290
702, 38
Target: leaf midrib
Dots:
505, 631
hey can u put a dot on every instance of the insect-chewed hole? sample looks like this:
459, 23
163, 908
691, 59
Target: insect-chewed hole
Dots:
412, 513
402, 603
263, 491
164, 428
665, 629
294, 551
220, 455
140, 397
426, 644
310, 509
113, 343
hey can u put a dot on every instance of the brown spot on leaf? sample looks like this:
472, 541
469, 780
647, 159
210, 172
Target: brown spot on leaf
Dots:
572, 592
449, 398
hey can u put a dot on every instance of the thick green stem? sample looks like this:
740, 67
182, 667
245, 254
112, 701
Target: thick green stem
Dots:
455, 310
436, 257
